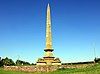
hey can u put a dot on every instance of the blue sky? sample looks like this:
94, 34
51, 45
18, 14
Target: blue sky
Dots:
75, 29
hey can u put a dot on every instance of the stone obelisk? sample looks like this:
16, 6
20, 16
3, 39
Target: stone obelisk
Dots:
48, 59
48, 50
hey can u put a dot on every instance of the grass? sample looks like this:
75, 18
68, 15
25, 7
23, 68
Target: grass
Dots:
90, 70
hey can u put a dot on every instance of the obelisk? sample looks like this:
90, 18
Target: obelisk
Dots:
48, 50
48, 59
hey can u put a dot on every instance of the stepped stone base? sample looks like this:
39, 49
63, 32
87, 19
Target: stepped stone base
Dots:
48, 61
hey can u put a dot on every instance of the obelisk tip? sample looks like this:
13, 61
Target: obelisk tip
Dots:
48, 5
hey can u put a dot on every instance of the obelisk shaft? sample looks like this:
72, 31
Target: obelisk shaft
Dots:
48, 58
48, 30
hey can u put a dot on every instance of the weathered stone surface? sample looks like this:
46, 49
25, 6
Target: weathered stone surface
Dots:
45, 68
31, 68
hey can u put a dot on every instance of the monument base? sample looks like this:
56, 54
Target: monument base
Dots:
48, 61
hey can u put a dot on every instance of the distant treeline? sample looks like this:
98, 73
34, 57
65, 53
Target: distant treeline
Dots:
78, 63
96, 60
9, 62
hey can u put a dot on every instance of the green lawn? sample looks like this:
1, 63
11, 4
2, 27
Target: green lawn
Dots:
91, 70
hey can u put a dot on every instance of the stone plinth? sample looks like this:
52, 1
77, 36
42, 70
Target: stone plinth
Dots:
49, 61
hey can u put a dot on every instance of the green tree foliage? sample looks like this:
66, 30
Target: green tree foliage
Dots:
7, 62
1, 64
97, 60
20, 62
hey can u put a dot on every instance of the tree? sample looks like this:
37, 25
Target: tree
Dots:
20, 62
7, 62
97, 60
1, 64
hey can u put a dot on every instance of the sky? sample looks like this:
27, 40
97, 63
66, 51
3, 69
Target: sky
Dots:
75, 29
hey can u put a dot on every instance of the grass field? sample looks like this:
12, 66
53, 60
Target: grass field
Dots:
91, 70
